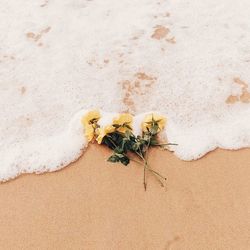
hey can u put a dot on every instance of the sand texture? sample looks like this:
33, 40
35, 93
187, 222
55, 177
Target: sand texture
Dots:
96, 205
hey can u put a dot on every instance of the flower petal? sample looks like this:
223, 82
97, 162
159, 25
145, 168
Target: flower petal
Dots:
102, 132
91, 115
89, 132
148, 120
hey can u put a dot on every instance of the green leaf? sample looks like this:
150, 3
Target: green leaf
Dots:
146, 137
118, 150
125, 160
154, 142
113, 159
108, 141
135, 146
154, 129
119, 156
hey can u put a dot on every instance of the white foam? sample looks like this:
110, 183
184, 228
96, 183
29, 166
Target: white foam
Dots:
58, 57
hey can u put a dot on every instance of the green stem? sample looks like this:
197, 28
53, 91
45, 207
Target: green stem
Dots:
141, 153
147, 148
141, 156
164, 178
147, 167
150, 169
144, 178
136, 161
165, 144
109, 138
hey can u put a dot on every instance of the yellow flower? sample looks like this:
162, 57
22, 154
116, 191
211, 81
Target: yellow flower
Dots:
122, 120
102, 132
148, 122
90, 116
89, 121
89, 132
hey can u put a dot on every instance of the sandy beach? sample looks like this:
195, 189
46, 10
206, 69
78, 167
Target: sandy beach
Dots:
75, 71
96, 205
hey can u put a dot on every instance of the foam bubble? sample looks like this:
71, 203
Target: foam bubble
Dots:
187, 59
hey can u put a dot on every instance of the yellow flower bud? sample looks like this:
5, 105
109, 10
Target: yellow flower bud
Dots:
123, 119
102, 132
148, 121
89, 121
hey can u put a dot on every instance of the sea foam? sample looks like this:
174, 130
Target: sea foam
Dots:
187, 59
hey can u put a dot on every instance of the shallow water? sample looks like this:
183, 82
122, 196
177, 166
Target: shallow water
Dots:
186, 59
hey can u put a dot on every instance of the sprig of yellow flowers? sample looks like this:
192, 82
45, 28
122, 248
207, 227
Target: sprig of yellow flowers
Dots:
119, 137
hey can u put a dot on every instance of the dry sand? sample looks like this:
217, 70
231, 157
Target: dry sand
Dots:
96, 205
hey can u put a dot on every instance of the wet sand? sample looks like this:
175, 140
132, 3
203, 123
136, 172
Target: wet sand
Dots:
97, 205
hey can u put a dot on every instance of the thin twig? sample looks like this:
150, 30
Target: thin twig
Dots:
165, 144
144, 177
156, 174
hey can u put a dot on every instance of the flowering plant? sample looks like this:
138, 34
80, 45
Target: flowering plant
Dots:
127, 146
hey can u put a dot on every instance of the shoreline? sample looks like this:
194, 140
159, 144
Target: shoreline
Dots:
93, 204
